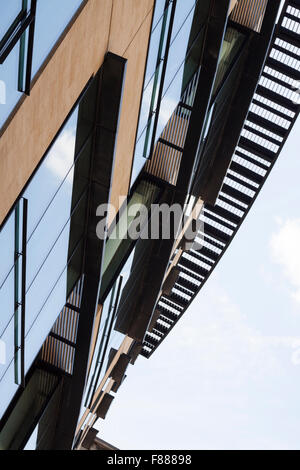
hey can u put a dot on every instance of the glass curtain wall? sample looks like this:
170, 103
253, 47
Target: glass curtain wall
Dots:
51, 19
232, 44
171, 68
53, 203
173, 59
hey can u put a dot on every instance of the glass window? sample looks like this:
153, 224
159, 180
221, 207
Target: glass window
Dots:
7, 323
118, 247
56, 195
47, 294
157, 39
160, 6
180, 38
9, 12
50, 305
51, 19
119, 242
183, 63
9, 80
153, 75
113, 337
55, 176
183, 60
8, 387
7, 247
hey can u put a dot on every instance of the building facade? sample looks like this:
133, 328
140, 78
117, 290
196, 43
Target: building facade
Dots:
111, 111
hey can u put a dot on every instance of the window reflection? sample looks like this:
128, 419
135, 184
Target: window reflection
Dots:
119, 243
51, 19
183, 61
57, 195
9, 12
232, 43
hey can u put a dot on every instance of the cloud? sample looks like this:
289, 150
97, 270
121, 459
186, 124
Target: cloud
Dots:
216, 382
285, 251
226, 342
61, 157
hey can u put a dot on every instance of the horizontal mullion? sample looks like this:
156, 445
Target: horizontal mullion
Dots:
170, 144
62, 339
181, 104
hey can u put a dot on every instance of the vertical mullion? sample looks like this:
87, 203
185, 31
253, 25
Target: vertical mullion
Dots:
163, 73
23, 289
16, 292
22, 52
98, 363
160, 58
30, 47
19, 295
114, 306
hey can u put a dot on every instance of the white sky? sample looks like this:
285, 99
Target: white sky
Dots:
228, 376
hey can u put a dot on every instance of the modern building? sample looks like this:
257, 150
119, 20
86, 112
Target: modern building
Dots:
110, 108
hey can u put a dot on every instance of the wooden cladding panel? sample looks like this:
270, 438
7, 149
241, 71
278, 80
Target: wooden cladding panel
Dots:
249, 13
